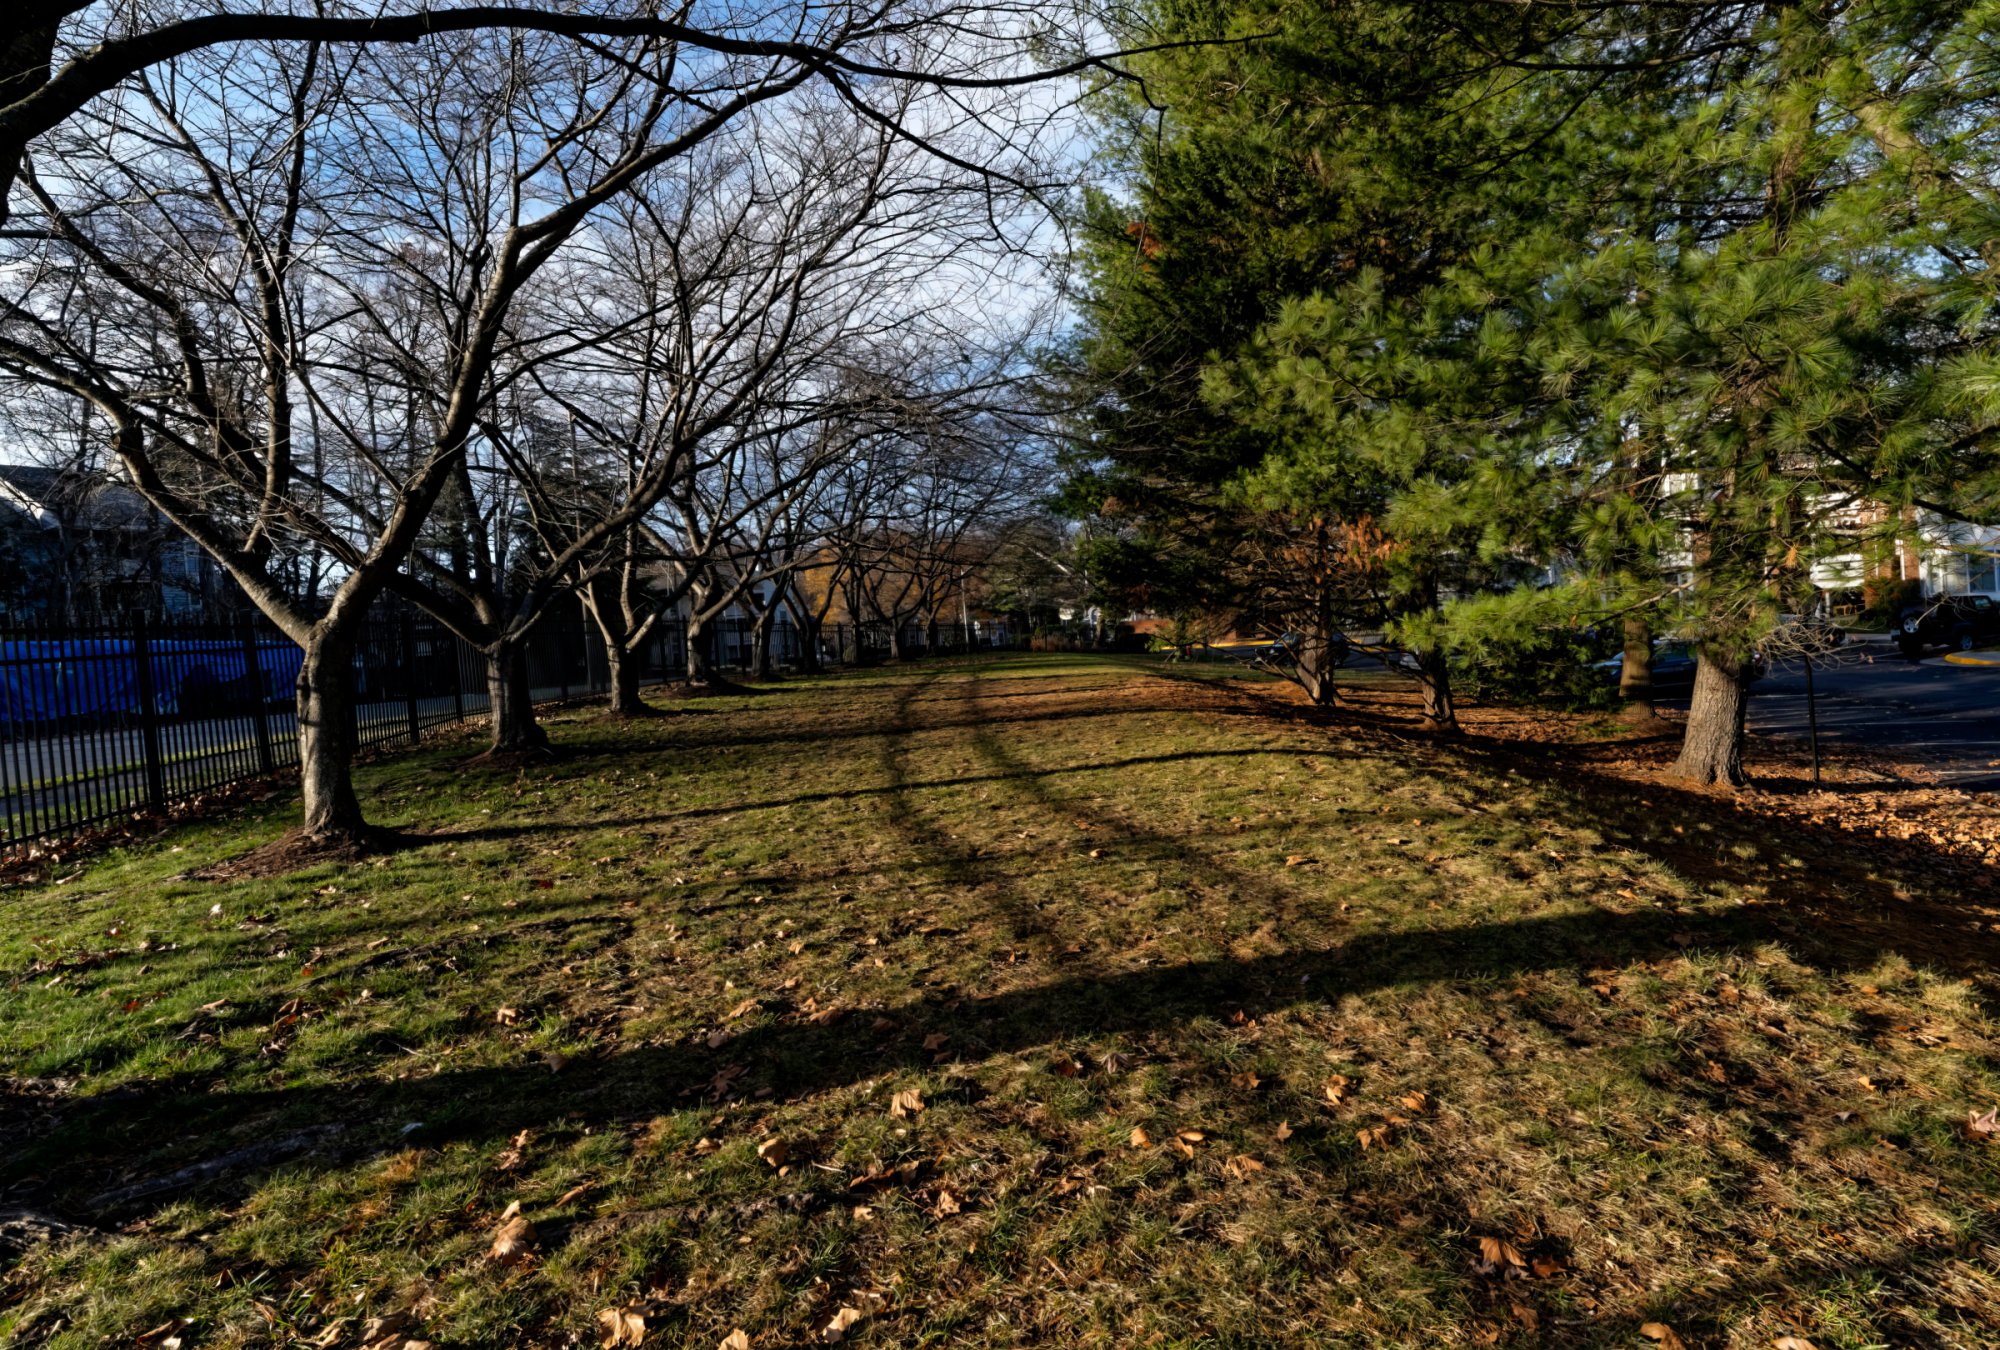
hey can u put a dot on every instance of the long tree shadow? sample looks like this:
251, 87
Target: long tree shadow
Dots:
83, 1148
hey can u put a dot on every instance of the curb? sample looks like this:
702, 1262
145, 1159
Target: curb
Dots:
1967, 659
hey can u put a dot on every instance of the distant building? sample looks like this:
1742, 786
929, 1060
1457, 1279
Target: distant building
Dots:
76, 546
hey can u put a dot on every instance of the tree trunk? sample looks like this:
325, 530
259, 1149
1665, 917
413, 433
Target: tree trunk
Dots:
512, 707
1712, 746
1313, 668
1434, 676
697, 652
809, 639
624, 670
760, 647
1635, 671
326, 741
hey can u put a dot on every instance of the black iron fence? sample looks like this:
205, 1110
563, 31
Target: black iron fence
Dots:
98, 722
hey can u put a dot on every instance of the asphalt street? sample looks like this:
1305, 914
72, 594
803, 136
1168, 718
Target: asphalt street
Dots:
1945, 717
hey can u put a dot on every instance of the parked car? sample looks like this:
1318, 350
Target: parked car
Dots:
1674, 665
1961, 622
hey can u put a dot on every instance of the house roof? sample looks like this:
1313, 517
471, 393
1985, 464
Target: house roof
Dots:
77, 498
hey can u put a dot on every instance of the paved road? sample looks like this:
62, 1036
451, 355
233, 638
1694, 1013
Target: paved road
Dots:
1942, 716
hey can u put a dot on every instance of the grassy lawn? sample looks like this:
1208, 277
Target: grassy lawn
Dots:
1041, 1001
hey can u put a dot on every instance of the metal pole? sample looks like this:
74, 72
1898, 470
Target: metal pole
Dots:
1812, 717
260, 712
149, 716
410, 677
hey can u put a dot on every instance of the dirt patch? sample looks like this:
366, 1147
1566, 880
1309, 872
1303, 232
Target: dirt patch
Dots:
295, 850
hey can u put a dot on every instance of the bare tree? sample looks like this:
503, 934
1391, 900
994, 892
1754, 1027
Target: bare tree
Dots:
266, 258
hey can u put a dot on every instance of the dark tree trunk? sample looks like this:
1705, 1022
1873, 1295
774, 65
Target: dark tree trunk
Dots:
512, 710
760, 647
809, 639
1434, 677
1635, 671
624, 672
326, 741
697, 652
1712, 746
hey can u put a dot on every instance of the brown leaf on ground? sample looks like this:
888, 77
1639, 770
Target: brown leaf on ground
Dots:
1247, 1082
1664, 1334
511, 1157
514, 1240
1284, 1131
1499, 1254
836, 1330
1415, 1101
743, 1009
1793, 1343
908, 1102
1066, 1065
947, 1205
506, 1017
621, 1326
937, 1040
1983, 1127
1376, 1137
738, 1339
774, 1151
1336, 1088
571, 1194
1139, 1138
1241, 1166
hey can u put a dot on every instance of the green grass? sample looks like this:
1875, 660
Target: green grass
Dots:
1687, 1067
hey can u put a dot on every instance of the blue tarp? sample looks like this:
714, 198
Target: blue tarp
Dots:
97, 678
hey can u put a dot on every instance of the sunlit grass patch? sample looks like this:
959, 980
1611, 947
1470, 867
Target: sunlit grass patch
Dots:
1045, 1000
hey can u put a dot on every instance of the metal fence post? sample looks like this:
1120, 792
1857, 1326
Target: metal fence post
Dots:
410, 677
260, 716
149, 716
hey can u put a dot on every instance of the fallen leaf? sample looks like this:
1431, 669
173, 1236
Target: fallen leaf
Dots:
1065, 1065
747, 1006
947, 1205
837, 1329
1415, 1101
622, 1326
1191, 1136
514, 1239
1664, 1334
1499, 1254
1284, 1131
1336, 1088
1377, 1137
1525, 1315
908, 1102
1793, 1343
1139, 1138
571, 1194
937, 1040
1241, 1166
738, 1339
1247, 1082
506, 1017
1297, 859
1985, 1127
774, 1151
704, 1146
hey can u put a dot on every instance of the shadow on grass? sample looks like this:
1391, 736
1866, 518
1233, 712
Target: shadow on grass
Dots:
93, 1143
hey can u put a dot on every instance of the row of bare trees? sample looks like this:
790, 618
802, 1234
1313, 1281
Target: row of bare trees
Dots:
652, 315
